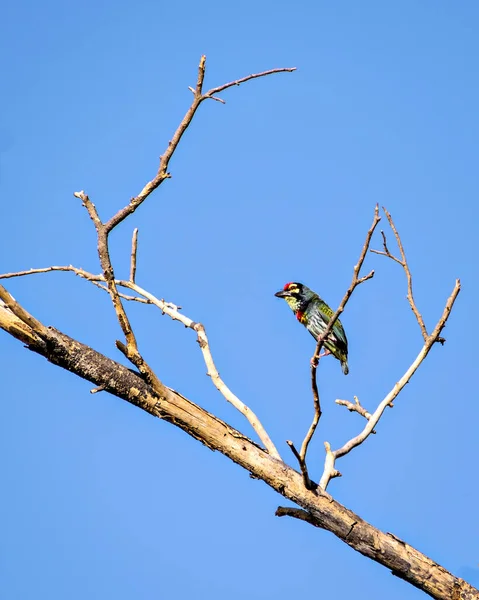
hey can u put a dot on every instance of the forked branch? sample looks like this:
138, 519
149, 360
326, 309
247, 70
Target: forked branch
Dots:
130, 350
403, 262
198, 98
429, 341
356, 280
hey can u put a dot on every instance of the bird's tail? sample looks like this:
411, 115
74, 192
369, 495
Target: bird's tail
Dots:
345, 367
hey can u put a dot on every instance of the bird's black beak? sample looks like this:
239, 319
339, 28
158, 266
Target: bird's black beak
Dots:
281, 294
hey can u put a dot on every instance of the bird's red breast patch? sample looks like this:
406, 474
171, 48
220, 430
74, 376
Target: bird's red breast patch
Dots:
300, 316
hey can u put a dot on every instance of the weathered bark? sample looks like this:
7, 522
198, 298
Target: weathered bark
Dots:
320, 509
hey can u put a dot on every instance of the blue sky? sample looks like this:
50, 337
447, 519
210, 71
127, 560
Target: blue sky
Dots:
100, 500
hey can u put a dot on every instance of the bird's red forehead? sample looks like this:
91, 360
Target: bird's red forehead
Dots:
286, 287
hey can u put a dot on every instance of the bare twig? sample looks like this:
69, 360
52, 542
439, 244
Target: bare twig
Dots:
356, 280
310, 485
134, 249
396, 390
222, 88
162, 173
356, 407
75, 270
403, 262
95, 279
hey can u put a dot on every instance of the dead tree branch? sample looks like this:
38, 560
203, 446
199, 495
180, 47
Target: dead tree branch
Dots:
356, 280
162, 173
131, 350
403, 262
429, 341
321, 510
134, 250
356, 407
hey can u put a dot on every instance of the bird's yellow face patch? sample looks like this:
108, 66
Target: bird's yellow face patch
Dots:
291, 288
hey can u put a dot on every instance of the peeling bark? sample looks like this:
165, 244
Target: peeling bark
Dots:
320, 509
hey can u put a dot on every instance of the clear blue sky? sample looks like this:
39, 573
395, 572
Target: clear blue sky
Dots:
98, 499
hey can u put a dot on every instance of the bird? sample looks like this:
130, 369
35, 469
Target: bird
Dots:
313, 312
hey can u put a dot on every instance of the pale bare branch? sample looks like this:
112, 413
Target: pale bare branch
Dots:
355, 407
95, 279
7, 300
396, 390
403, 262
134, 250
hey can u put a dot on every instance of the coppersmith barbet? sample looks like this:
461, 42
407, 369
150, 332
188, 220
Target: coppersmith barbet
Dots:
313, 312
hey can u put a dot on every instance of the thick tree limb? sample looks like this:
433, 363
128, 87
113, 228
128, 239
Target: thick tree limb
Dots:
320, 510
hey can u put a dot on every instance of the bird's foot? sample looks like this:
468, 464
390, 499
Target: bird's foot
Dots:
315, 360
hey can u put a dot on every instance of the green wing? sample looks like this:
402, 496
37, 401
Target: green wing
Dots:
338, 329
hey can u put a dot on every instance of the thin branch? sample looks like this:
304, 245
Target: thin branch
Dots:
75, 270
310, 485
162, 173
134, 249
95, 279
222, 88
394, 393
329, 463
403, 262
356, 407
310, 433
131, 350
107, 268
356, 280
201, 76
